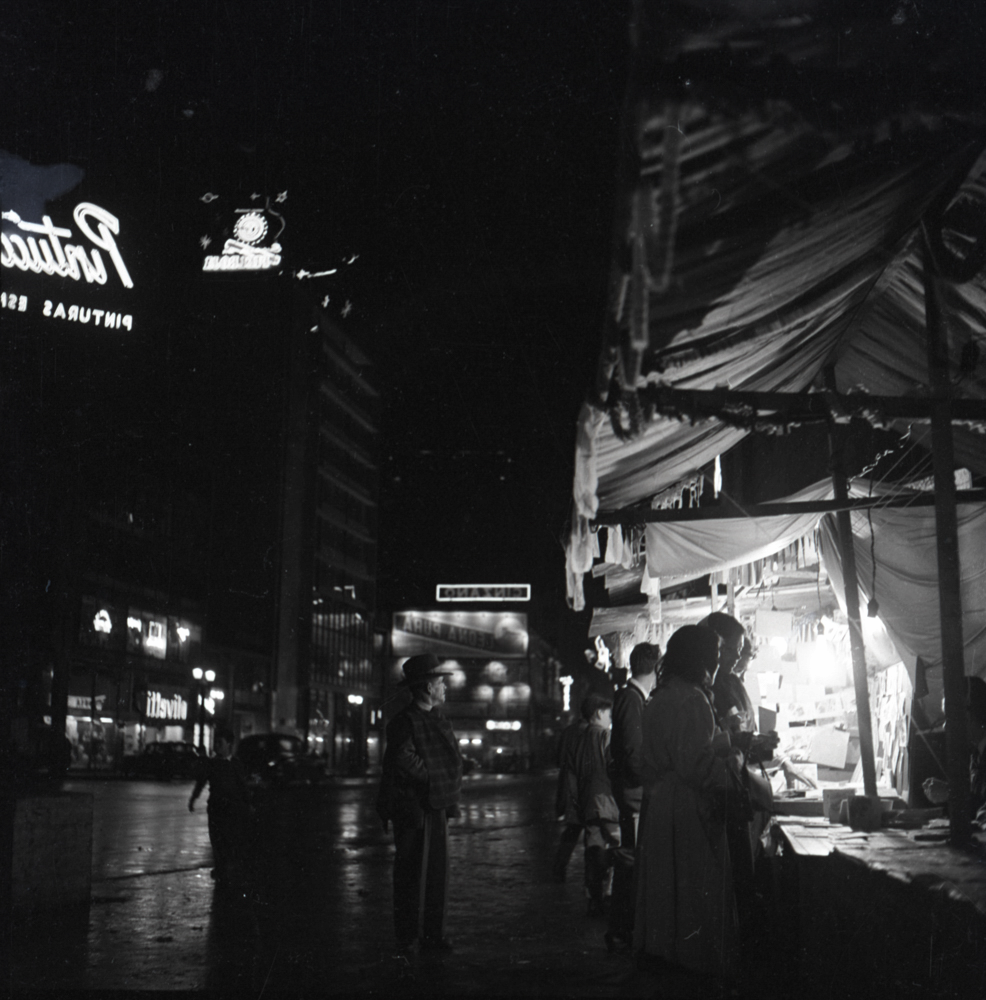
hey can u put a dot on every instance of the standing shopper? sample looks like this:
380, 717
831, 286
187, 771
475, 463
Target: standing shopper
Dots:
596, 803
567, 797
686, 912
626, 748
229, 812
734, 711
419, 791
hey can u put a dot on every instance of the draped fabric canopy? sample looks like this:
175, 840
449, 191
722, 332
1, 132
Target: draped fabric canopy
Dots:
900, 541
771, 225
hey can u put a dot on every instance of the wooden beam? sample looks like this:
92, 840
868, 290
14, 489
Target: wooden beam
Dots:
949, 577
797, 407
644, 515
840, 486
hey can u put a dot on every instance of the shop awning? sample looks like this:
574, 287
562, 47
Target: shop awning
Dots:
900, 542
769, 226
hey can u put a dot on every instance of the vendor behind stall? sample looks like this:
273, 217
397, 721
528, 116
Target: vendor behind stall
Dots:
936, 789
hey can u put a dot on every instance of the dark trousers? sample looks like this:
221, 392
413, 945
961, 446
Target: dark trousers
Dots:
421, 870
563, 852
229, 837
601, 838
623, 903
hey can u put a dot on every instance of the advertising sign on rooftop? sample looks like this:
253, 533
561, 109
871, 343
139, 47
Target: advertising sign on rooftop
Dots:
250, 233
61, 267
460, 633
483, 592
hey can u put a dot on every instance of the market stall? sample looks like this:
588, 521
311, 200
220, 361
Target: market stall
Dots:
800, 241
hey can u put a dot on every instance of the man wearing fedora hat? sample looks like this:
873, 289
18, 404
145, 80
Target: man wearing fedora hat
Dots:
419, 791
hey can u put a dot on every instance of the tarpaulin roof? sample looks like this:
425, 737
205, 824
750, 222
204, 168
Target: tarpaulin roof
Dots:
900, 541
770, 224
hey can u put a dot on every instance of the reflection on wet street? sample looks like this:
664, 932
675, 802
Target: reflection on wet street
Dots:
318, 916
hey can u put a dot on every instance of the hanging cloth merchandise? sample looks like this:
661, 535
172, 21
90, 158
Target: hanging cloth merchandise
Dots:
615, 546
583, 547
650, 585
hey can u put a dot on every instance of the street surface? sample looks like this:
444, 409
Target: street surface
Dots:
321, 920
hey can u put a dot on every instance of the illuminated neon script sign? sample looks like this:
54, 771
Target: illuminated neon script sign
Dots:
43, 253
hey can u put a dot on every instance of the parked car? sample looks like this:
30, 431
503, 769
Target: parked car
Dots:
163, 760
279, 759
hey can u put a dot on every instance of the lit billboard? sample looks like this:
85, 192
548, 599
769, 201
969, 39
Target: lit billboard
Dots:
500, 634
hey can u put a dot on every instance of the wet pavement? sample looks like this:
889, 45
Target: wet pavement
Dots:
320, 919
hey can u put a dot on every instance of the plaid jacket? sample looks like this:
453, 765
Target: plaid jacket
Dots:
422, 768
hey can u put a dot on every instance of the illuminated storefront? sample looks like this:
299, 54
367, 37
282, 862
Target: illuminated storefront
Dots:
136, 666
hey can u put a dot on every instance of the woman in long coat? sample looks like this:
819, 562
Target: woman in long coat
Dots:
686, 911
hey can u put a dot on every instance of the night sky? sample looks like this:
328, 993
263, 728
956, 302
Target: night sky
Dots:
467, 152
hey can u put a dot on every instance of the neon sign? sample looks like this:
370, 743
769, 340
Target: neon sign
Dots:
242, 251
43, 252
483, 592
566, 687
159, 707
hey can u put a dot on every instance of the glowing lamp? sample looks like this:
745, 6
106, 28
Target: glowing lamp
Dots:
197, 673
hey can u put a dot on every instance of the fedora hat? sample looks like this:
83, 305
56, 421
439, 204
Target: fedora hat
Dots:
421, 668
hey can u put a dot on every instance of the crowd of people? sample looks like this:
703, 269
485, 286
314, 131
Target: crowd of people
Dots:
664, 784
659, 782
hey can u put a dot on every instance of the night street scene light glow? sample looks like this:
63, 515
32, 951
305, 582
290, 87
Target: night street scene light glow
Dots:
332, 336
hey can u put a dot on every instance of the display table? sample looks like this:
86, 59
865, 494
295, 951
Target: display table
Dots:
898, 910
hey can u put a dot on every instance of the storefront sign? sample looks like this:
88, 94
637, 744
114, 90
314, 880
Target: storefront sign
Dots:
483, 592
159, 707
83, 703
459, 633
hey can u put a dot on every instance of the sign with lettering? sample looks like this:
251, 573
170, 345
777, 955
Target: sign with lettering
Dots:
159, 707
254, 244
47, 249
460, 633
83, 703
42, 252
483, 592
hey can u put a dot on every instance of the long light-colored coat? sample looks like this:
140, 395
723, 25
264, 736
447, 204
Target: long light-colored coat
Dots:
686, 911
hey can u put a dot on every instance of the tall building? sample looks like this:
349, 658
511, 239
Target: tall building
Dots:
328, 679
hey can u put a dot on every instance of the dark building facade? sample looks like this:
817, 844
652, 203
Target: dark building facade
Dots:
327, 672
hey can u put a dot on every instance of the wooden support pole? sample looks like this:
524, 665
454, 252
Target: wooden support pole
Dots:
949, 577
843, 519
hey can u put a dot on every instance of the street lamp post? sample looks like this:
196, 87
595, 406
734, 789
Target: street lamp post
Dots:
208, 676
